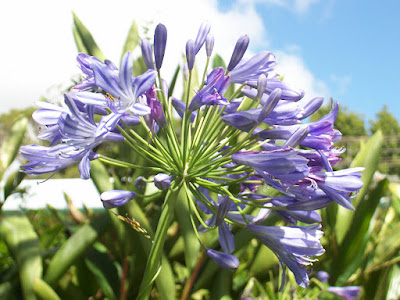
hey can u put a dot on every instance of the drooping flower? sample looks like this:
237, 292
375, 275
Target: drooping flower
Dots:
293, 245
116, 198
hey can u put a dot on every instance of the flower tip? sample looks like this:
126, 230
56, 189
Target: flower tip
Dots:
162, 181
238, 52
160, 41
146, 53
224, 260
209, 44
116, 198
190, 54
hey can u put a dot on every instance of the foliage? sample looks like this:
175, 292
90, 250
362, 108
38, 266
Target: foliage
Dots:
388, 124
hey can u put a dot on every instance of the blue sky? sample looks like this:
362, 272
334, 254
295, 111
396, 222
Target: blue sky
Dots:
352, 46
344, 49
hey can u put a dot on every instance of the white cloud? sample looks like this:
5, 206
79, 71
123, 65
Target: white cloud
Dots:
296, 74
296, 6
302, 6
40, 51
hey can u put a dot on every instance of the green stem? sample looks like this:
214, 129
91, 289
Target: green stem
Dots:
154, 260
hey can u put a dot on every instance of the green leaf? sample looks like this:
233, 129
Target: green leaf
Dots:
85, 279
388, 246
222, 285
78, 41
100, 176
49, 235
351, 251
9, 291
12, 182
264, 259
132, 39
75, 247
393, 290
173, 81
43, 291
105, 272
139, 66
10, 147
23, 243
191, 243
218, 62
368, 157
87, 39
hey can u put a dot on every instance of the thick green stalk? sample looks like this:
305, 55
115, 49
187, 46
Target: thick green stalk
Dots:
153, 263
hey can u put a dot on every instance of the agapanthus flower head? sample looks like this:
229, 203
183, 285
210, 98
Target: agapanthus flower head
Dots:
231, 140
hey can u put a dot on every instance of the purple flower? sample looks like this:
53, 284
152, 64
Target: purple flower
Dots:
140, 184
224, 260
162, 181
284, 164
119, 88
338, 185
44, 160
225, 204
270, 103
251, 69
347, 292
294, 246
180, 108
201, 36
116, 198
156, 110
211, 93
238, 52
147, 53
85, 62
190, 54
160, 41
209, 44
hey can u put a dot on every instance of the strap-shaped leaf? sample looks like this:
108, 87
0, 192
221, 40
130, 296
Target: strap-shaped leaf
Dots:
368, 157
75, 247
44, 291
23, 243
100, 176
351, 252
86, 38
10, 147
78, 41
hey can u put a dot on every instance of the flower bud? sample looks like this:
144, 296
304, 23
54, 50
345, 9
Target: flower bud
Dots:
224, 204
238, 52
162, 181
160, 41
270, 104
224, 260
147, 53
190, 55
261, 85
209, 44
297, 137
140, 184
201, 36
116, 198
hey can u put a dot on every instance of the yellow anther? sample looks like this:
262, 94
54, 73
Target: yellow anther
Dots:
109, 97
